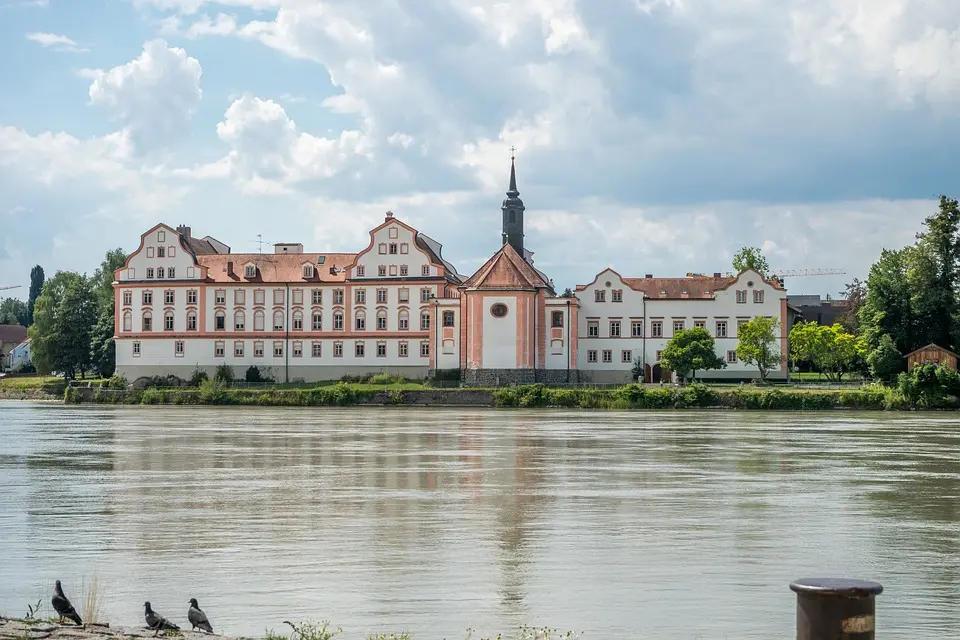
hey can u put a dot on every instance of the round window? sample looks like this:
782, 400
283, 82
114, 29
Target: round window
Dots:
498, 310
750, 283
607, 284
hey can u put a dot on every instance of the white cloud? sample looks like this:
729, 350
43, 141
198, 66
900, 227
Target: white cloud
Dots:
152, 96
562, 28
55, 42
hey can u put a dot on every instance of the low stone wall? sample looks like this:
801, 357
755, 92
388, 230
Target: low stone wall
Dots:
35, 393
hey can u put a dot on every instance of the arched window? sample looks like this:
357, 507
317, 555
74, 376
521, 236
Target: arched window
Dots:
278, 320
317, 321
338, 321
147, 321
220, 321
361, 321
239, 321
168, 321
381, 320
424, 320
258, 320
191, 320
127, 321
404, 321
298, 321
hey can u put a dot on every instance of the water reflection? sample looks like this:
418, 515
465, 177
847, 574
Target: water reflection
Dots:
435, 520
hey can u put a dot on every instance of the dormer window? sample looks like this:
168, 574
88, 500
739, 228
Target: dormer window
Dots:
250, 271
161, 236
308, 271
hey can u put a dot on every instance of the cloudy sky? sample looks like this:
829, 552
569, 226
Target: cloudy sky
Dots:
654, 136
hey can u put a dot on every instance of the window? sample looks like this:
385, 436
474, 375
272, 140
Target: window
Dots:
257, 349
448, 318
740, 323
556, 319
191, 320
308, 271
168, 297
298, 321
259, 297
758, 296
239, 296
499, 310
393, 248
149, 273
168, 321
404, 295
258, 320
403, 321
592, 355
147, 298
131, 274
659, 355
607, 355
381, 320
161, 236
382, 349
636, 328
425, 270
218, 349
741, 296
382, 270
359, 348
136, 349
393, 232
403, 349
382, 248
127, 321
161, 252
149, 252
170, 273
393, 270
178, 348
338, 321
593, 328
404, 270
190, 271
317, 296
361, 271
278, 296
656, 329
699, 324
160, 273
298, 296
171, 251
297, 349
626, 356
361, 321
221, 296
127, 298
599, 296
617, 295
317, 322
220, 321
192, 296
250, 271
424, 349
278, 321
239, 321
678, 326
147, 321
731, 356
425, 295
424, 321
721, 328
337, 349
361, 296
338, 296
238, 349
381, 296
316, 349
404, 248
614, 328
277, 349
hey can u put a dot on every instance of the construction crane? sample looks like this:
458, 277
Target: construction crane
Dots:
802, 273
16, 286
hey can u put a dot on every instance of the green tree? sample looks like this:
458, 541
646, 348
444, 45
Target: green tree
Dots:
884, 360
831, 349
36, 287
102, 281
939, 273
855, 294
757, 344
13, 311
46, 340
567, 293
73, 324
750, 258
689, 351
103, 349
887, 308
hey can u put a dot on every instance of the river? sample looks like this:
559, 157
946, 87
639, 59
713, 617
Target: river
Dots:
665, 526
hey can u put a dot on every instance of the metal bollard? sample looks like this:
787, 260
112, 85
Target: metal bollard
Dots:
835, 609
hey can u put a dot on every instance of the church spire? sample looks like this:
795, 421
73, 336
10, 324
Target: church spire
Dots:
513, 210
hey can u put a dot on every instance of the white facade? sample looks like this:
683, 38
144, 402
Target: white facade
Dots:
20, 355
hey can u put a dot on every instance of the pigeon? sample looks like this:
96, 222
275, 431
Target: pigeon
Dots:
197, 617
156, 621
63, 607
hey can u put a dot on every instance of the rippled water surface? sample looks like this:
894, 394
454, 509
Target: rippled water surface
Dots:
623, 525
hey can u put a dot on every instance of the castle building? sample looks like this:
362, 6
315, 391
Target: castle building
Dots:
398, 306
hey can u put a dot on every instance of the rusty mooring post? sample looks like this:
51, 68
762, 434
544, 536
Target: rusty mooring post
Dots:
835, 609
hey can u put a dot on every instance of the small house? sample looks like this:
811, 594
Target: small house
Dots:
20, 355
932, 354
11, 335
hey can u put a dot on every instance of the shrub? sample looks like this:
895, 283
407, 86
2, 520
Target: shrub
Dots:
253, 374
224, 373
385, 379
116, 382
396, 396
213, 392
71, 396
199, 376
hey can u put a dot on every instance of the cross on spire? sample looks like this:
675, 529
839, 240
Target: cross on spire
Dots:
513, 152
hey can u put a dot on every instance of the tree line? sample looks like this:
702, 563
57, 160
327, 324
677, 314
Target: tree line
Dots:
70, 319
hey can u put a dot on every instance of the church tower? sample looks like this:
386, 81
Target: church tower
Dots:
513, 213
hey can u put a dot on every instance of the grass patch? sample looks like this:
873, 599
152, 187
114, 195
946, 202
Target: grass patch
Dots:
91, 597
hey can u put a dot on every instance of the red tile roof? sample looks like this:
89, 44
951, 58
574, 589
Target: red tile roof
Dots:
14, 333
276, 267
506, 270
676, 287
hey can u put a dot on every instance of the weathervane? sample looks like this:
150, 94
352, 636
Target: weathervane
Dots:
513, 152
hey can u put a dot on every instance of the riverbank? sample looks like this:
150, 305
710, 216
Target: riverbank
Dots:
19, 629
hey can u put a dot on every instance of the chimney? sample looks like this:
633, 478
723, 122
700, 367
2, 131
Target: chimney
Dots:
229, 267
649, 275
716, 274
333, 269
388, 216
184, 231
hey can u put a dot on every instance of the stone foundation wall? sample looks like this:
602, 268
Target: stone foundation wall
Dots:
509, 377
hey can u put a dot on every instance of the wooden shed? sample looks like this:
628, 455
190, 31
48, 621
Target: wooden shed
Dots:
932, 354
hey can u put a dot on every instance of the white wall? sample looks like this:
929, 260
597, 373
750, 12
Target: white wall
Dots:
141, 260
392, 233
500, 334
558, 356
631, 308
